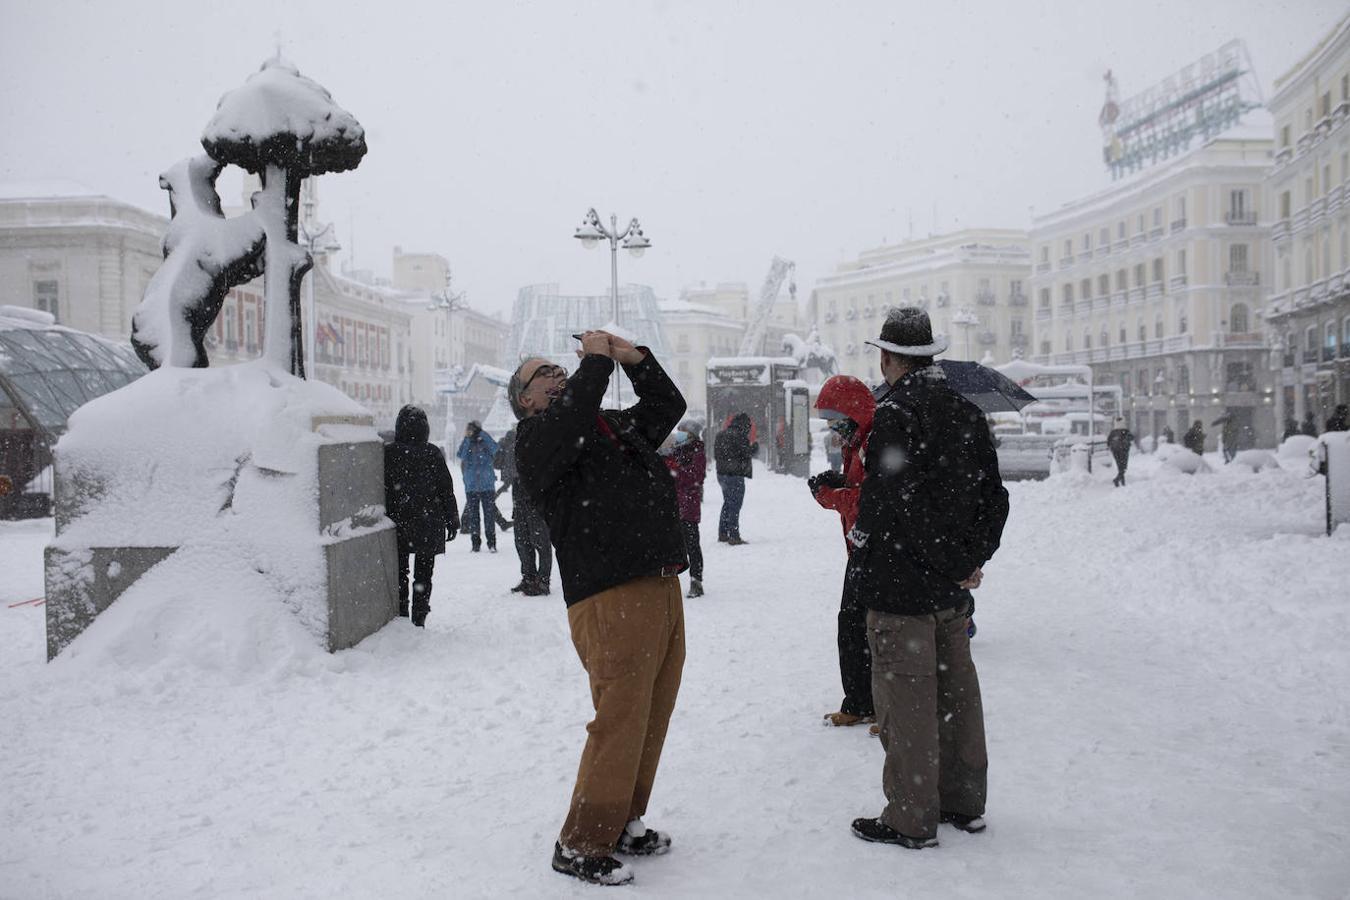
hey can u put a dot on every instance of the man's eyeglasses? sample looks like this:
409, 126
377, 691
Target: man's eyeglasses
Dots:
547, 372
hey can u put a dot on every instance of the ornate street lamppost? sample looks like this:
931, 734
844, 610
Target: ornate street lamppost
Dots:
591, 232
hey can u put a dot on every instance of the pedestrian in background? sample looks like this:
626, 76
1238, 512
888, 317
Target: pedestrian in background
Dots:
1118, 441
1309, 424
475, 454
1290, 429
1340, 418
733, 454
531, 536
1194, 439
850, 406
688, 462
419, 497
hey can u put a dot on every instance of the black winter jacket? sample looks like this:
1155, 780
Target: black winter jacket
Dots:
932, 505
732, 450
608, 499
419, 494
1118, 441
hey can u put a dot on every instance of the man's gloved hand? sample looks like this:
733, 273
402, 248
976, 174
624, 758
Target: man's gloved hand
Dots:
451, 530
827, 479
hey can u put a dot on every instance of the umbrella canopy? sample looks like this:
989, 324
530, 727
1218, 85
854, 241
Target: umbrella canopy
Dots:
1221, 419
990, 390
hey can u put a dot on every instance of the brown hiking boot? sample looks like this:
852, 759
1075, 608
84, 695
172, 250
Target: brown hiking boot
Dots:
875, 731
844, 719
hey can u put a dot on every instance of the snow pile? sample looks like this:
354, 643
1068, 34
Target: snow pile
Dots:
1179, 459
223, 464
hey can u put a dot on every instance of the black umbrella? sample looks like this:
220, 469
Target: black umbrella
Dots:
987, 388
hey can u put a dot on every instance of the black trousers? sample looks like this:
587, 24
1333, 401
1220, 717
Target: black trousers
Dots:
423, 566
692, 548
532, 540
855, 658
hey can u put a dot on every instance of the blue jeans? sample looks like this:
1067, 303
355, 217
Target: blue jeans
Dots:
486, 501
733, 495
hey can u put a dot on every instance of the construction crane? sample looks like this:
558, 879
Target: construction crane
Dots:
759, 319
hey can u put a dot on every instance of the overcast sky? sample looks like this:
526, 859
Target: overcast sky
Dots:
734, 130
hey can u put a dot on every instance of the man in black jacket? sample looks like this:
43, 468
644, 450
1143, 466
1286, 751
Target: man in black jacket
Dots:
419, 496
732, 453
931, 512
610, 505
532, 541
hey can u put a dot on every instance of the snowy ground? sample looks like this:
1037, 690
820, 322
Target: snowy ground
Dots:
1165, 672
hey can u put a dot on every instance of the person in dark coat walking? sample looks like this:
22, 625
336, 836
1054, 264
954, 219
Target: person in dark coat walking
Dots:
688, 462
1118, 441
611, 508
852, 403
1290, 429
1168, 435
419, 497
532, 541
1309, 424
1194, 439
1228, 434
931, 511
732, 453
1340, 418
475, 454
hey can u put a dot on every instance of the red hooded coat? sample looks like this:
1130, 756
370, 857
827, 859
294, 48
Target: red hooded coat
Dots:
849, 396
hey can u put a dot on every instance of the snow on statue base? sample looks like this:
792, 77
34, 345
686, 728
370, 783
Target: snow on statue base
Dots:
274, 486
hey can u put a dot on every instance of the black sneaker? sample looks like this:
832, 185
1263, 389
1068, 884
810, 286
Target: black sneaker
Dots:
879, 832
523, 586
403, 610
649, 843
419, 617
594, 869
968, 824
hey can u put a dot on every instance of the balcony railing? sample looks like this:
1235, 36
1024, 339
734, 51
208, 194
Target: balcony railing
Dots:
1155, 289
1335, 198
1241, 339
1119, 298
988, 337
1137, 238
1042, 267
1085, 256
1328, 354
1155, 233
1280, 230
1043, 313
1240, 217
1284, 155
1310, 357
1317, 210
1019, 340
1065, 262
1136, 294
1017, 300
1176, 282
1083, 305
984, 297
1242, 279
1179, 225
1289, 358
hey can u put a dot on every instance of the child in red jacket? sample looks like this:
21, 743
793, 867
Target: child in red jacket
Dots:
688, 462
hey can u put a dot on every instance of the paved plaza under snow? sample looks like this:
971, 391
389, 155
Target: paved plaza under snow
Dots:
1164, 668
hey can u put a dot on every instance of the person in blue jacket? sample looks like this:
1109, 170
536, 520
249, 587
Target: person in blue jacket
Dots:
475, 454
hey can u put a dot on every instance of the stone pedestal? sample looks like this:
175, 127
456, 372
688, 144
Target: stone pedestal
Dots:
359, 569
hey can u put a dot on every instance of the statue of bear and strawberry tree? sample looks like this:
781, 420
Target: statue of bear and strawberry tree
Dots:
283, 127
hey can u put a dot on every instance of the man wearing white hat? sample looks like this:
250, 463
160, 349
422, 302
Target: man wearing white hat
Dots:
931, 513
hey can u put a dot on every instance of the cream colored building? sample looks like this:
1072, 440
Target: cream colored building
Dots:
696, 331
83, 257
972, 282
1157, 282
448, 337
1308, 313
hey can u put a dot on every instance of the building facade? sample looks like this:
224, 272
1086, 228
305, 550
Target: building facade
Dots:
1157, 283
972, 282
1308, 314
84, 258
696, 332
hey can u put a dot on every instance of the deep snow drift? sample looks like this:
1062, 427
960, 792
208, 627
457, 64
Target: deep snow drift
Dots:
1164, 669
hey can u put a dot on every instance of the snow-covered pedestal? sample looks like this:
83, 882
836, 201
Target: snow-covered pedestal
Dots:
239, 482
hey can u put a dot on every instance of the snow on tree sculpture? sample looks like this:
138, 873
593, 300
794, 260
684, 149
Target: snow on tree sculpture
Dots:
283, 127
205, 255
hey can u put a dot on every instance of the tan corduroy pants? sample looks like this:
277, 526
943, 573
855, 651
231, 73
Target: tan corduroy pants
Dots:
631, 642
927, 698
